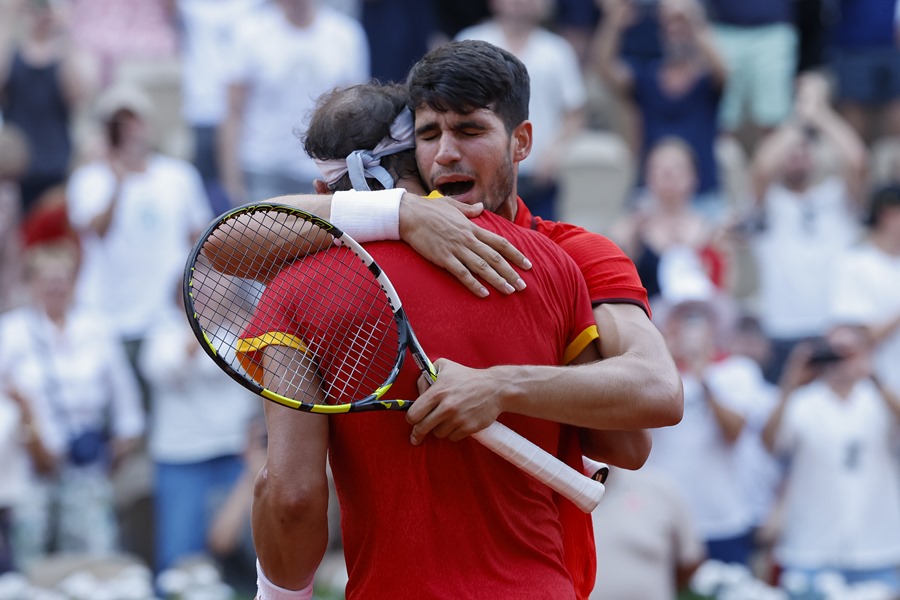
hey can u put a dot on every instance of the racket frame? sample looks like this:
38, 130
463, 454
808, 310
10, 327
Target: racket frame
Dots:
406, 338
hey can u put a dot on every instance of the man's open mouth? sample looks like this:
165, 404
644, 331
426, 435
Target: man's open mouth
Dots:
455, 188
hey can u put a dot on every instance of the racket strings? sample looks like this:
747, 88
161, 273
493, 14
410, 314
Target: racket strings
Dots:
324, 323
358, 343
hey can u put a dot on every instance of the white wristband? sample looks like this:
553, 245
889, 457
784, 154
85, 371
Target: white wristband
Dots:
266, 590
368, 216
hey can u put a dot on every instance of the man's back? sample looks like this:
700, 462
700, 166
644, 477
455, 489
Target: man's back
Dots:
473, 524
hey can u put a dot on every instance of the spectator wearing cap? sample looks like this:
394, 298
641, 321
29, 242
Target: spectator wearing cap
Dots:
867, 284
136, 213
700, 453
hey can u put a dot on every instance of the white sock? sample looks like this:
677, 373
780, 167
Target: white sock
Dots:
266, 590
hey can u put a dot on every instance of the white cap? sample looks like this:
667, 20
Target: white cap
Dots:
123, 96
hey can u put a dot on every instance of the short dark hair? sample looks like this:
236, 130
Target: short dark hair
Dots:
883, 198
467, 75
358, 118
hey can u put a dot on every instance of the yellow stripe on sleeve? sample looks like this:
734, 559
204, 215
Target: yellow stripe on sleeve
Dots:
247, 347
580, 343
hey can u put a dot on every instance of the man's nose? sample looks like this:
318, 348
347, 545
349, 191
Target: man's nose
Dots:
448, 152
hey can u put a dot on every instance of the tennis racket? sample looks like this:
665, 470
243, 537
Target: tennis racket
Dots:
335, 333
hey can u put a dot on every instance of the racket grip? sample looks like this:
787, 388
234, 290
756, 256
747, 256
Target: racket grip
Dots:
583, 491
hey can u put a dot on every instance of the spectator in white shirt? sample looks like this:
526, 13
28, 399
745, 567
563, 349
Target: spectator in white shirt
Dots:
282, 60
137, 213
700, 453
198, 427
808, 221
838, 426
69, 365
867, 285
558, 95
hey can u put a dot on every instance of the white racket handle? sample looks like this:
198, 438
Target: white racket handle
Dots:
534, 460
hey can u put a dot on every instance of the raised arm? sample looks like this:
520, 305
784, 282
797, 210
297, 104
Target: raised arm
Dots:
770, 156
229, 142
731, 423
635, 386
796, 373
706, 43
814, 111
438, 229
617, 15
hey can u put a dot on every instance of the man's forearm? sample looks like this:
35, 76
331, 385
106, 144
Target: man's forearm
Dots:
619, 393
101, 223
290, 545
290, 503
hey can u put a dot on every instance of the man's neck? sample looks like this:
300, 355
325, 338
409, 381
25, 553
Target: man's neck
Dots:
508, 209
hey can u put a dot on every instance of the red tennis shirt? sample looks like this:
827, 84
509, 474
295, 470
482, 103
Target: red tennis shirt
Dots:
452, 520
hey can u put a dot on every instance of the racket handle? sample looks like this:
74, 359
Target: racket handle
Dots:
534, 460
595, 470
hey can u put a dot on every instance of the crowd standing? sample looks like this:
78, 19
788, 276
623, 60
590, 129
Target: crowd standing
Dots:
778, 291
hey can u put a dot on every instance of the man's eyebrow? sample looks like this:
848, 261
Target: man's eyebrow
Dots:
461, 125
426, 128
469, 125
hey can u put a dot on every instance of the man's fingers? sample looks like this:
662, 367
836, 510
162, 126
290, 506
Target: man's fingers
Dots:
421, 429
485, 263
502, 249
499, 275
464, 274
469, 210
423, 383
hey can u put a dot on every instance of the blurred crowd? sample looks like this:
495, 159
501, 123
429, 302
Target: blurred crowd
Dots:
760, 149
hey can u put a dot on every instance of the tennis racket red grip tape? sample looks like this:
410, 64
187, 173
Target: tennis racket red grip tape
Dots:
584, 492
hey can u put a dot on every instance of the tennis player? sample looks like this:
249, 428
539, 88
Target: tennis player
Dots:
636, 386
477, 526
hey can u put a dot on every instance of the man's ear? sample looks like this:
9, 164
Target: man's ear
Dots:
521, 141
321, 187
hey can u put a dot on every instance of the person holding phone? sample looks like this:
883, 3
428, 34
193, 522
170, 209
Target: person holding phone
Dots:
838, 426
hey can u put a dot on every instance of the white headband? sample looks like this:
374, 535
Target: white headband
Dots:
367, 163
